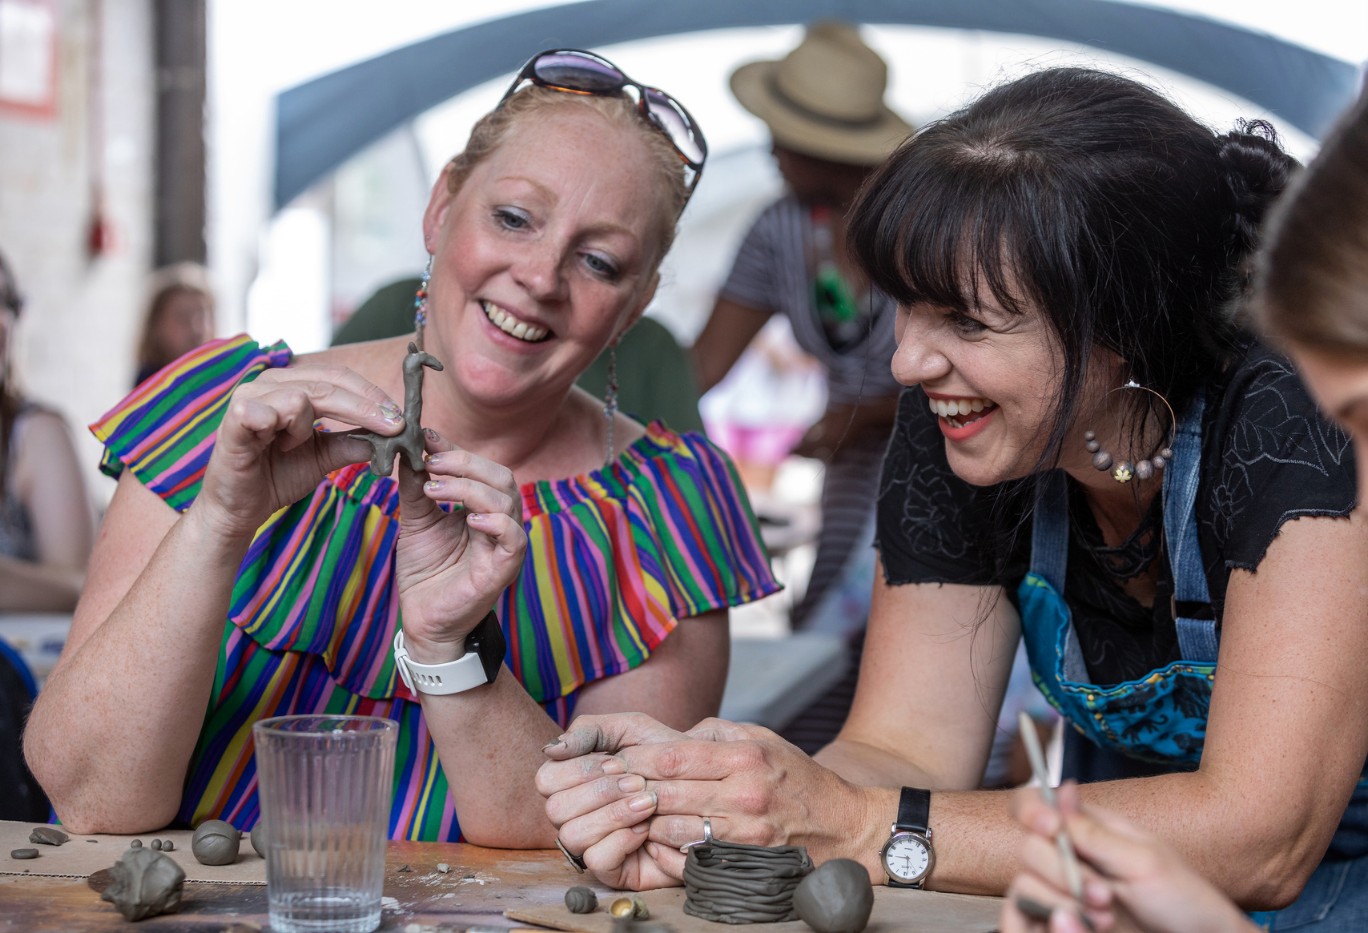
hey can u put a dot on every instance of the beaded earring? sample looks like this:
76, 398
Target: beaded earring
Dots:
420, 304
1124, 470
610, 401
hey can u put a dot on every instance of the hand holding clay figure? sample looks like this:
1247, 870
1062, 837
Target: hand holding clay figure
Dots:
270, 452
753, 786
1132, 881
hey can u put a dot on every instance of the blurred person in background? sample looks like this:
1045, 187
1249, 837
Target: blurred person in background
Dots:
823, 105
180, 317
47, 528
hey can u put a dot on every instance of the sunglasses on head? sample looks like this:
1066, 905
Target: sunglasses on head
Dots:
576, 71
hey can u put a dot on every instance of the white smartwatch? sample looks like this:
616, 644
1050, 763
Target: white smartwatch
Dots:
484, 655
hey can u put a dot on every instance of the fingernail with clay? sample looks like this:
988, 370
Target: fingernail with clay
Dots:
391, 413
642, 801
432, 459
432, 484
559, 743
613, 766
631, 783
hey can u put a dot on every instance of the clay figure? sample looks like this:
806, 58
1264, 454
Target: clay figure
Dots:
48, 836
836, 898
731, 882
410, 440
146, 883
215, 843
581, 900
629, 908
258, 838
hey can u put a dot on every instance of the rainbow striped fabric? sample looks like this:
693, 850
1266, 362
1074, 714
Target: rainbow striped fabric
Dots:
615, 558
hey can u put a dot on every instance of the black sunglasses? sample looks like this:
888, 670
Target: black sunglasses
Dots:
576, 71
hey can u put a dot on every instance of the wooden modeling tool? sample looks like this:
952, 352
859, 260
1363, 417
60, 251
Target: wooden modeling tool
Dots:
1072, 874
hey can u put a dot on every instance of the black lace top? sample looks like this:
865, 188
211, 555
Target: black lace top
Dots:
1267, 457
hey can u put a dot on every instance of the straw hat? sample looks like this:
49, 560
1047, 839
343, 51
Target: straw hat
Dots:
825, 98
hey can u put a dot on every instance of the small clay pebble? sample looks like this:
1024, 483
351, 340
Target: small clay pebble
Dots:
835, 898
157, 844
581, 900
167, 845
403, 868
48, 836
629, 907
215, 843
443, 867
24, 853
135, 844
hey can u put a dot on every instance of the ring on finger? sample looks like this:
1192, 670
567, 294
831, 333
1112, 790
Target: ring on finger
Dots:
706, 840
576, 861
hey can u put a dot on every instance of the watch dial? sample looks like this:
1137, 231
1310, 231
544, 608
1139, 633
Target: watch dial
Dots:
907, 858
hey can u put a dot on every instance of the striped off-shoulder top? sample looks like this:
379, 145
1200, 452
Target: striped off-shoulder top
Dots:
616, 557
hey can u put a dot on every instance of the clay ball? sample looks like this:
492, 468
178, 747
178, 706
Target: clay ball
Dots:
581, 900
836, 898
215, 843
146, 883
258, 838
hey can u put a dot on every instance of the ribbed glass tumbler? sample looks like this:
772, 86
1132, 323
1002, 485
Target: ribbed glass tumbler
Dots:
324, 783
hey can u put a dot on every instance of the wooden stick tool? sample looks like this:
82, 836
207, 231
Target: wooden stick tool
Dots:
1072, 873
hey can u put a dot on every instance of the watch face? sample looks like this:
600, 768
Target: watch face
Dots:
907, 857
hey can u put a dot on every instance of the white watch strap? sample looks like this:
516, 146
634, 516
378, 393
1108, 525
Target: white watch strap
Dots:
438, 679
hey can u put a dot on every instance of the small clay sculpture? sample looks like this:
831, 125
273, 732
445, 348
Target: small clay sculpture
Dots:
258, 838
629, 908
23, 853
167, 845
409, 440
156, 845
48, 836
135, 844
146, 883
836, 898
215, 842
443, 867
581, 900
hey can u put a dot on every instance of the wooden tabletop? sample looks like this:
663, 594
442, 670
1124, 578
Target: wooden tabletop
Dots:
480, 887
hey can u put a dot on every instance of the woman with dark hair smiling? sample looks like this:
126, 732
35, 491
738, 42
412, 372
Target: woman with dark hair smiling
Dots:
1092, 455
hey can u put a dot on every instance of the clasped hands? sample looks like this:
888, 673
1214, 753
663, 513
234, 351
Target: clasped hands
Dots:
626, 792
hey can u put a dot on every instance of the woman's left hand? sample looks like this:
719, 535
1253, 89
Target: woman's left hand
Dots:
450, 567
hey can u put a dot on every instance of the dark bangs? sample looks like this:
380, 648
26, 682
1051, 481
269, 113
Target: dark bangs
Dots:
950, 226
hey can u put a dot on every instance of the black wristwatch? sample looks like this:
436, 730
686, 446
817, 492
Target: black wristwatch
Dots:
907, 855
484, 654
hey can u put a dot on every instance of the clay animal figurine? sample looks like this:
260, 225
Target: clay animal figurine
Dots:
215, 842
836, 898
409, 440
146, 883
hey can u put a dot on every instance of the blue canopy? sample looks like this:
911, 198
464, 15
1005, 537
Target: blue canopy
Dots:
323, 122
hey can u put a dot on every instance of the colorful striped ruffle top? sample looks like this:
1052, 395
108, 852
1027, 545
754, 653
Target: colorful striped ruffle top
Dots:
615, 558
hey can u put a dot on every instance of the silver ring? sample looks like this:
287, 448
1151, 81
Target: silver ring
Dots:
706, 840
576, 861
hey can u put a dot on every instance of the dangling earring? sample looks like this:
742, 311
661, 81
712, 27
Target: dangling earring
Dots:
1123, 470
610, 401
420, 304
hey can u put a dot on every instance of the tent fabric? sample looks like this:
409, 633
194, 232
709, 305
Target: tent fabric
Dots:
323, 122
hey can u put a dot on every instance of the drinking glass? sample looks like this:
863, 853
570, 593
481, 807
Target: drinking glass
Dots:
324, 786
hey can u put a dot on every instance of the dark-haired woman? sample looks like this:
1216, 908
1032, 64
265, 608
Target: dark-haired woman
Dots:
1094, 456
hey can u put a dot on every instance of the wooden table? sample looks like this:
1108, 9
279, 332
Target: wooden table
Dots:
481, 885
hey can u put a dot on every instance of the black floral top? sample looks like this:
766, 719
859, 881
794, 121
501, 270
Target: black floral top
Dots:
1267, 456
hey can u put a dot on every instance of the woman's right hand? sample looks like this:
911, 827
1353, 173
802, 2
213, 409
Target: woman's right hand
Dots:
269, 453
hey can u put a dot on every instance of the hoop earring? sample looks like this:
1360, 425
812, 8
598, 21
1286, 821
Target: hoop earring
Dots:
420, 305
610, 401
1123, 470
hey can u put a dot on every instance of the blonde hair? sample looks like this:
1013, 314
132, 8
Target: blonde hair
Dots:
492, 129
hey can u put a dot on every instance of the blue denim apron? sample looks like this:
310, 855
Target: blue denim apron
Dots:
1161, 717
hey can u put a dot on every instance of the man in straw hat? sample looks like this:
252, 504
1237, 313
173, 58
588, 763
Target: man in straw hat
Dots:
823, 103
